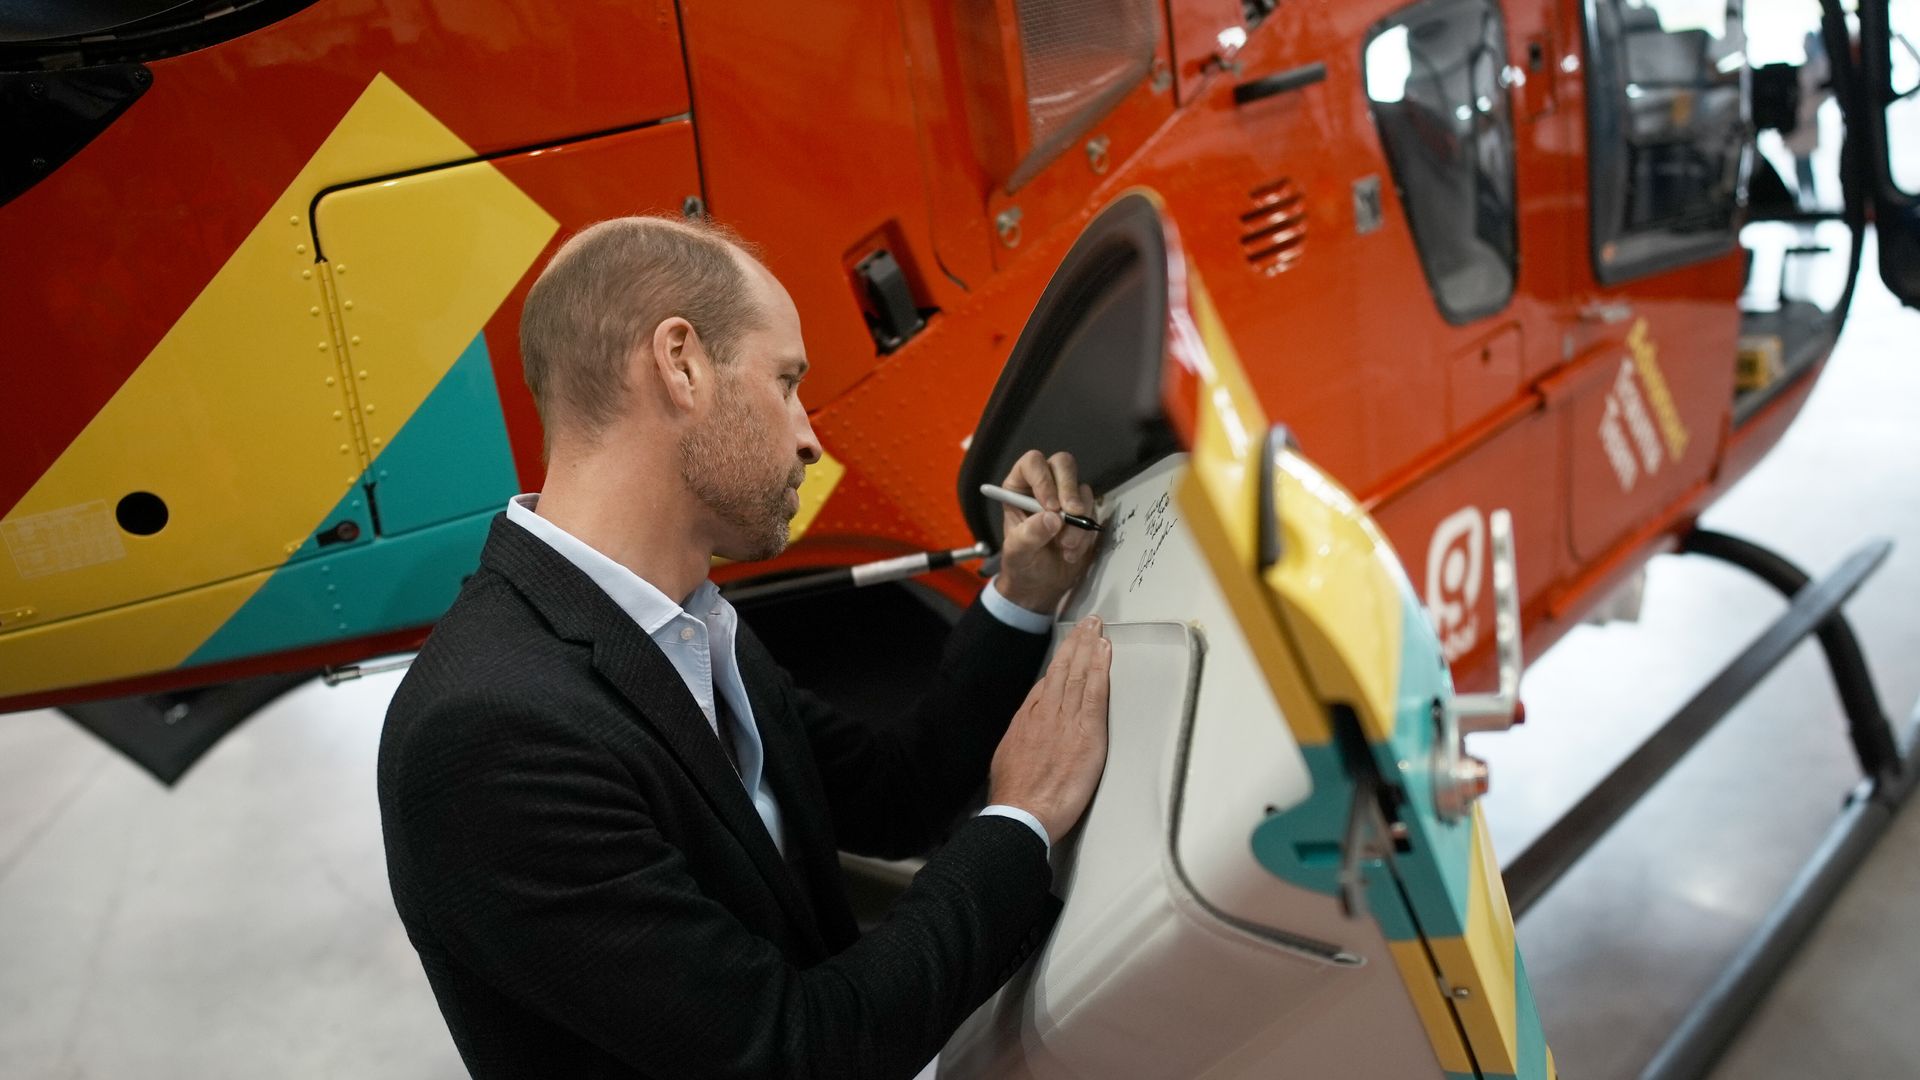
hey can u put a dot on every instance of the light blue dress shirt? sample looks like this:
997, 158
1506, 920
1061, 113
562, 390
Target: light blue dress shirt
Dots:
698, 640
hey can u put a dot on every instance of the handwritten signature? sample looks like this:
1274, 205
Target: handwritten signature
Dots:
1159, 525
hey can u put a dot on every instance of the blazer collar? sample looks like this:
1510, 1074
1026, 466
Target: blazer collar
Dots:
579, 611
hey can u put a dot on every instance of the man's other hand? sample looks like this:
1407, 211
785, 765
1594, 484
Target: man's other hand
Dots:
1041, 556
1049, 761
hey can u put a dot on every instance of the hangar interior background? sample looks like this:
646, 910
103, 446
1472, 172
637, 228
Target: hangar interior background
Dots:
241, 924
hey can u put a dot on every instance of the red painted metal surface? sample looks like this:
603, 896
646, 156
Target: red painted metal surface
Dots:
823, 131
103, 256
649, 170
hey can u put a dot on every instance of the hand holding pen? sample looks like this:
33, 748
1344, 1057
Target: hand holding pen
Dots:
1041, 557
1032, 506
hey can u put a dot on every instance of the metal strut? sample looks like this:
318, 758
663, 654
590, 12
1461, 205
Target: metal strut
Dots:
1567, 841
1867, 724
1890, 768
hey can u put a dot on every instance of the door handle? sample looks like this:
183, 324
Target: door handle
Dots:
1279, 82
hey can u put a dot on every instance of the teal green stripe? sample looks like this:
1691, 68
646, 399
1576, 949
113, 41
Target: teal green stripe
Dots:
452, 457
391, 584
437, 485
1301, 845
1531, 1047
351, 507
1387, 906
1438, 881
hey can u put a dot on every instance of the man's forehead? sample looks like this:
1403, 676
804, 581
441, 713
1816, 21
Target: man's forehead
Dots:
776, 304
763, 280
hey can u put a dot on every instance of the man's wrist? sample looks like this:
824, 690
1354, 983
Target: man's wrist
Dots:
1021, 816
1014, 613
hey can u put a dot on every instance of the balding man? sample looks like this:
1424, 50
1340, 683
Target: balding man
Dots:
611, 819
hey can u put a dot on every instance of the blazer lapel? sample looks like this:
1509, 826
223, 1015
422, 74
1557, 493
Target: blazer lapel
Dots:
635, 666
803, 800
579, 611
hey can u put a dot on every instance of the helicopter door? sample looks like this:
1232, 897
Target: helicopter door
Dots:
1890, 57
1235, 902
1667, 150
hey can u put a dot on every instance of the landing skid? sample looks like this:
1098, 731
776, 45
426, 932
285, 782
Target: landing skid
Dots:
1889, 767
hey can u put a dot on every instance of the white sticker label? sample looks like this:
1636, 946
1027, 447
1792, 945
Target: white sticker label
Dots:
1454, 561
70, 538
1626, 415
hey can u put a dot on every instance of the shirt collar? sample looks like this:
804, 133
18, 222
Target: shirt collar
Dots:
643, 603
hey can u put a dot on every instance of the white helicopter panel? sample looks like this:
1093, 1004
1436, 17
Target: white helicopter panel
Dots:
1188, 959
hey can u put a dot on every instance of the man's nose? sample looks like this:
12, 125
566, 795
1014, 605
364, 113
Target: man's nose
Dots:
809, 449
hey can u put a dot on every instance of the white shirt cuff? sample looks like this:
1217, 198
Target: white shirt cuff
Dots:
1021, 816
1033, 622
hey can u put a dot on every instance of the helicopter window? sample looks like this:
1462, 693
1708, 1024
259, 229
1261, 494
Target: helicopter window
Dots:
1435, 74
1668, 128
44, 21
51, 34
1080, 57
1043, 81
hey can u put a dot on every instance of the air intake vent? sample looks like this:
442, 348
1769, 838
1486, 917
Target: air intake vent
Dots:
1273, 234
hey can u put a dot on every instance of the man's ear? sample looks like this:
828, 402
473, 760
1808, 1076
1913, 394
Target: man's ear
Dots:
679, 362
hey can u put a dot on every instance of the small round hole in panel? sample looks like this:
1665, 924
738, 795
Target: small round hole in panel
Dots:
142, 513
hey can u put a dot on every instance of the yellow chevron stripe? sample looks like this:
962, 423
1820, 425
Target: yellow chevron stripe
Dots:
1219, 500
1481, 961
822, 477
239, 418
1423, 986
132, 640
418, 265
1228, 431
1338, 586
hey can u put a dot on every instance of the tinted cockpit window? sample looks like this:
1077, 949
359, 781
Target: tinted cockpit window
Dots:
1667, 122
64, 34
1436, 74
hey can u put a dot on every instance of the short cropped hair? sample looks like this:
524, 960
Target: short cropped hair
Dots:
605, 292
